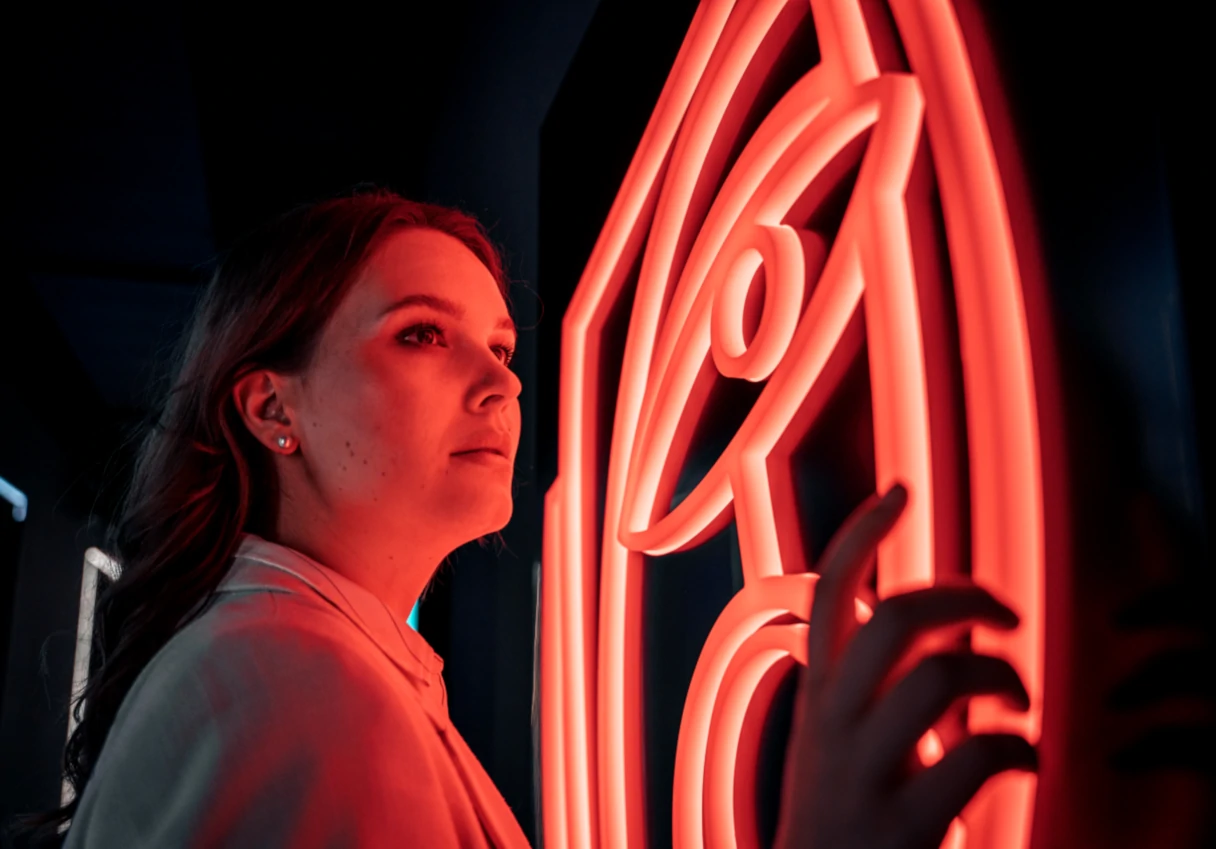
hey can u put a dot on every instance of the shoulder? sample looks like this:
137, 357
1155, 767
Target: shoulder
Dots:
260, 714
273, 675
264, 653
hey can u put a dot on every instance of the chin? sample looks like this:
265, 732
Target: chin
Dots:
491, 515
505, 509
469, 507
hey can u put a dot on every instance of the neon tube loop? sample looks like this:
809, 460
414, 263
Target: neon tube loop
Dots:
700, 254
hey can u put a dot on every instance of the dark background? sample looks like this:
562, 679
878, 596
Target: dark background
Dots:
143, 140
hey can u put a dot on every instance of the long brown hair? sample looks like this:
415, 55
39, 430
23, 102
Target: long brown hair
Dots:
200, 479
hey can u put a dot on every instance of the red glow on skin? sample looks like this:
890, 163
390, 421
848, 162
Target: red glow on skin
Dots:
410, 370
688, 309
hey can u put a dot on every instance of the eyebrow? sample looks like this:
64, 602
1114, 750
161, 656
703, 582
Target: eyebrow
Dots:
443, 305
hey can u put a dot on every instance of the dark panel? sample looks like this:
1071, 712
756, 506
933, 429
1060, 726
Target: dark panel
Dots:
107, 167
10, 554
587, 141
48, 378
683, 594
299, 105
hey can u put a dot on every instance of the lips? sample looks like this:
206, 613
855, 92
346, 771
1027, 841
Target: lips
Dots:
493, 443
494, 451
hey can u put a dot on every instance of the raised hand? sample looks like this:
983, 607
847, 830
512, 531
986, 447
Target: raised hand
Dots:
848, 784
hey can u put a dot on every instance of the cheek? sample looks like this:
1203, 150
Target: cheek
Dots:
378, 433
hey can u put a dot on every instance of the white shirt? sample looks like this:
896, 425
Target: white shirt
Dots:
294, 712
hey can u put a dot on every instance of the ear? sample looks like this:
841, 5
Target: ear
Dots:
259, 400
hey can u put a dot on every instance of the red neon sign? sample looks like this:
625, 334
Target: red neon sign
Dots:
702, 241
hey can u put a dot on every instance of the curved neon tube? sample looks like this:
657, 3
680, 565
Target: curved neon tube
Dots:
698, 255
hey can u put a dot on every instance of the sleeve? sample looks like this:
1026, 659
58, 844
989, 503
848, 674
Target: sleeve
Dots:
266, 737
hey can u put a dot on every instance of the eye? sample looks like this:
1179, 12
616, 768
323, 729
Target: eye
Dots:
426, 334
506, 353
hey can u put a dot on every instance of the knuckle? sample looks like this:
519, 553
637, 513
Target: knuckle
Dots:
940, 674
896, 616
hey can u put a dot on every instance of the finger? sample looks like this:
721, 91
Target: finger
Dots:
842, 570
928, 802
922, 697
898, 622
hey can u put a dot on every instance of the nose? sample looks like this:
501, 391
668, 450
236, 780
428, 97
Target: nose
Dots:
497, 385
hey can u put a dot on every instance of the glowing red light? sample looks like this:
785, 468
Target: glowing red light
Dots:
700, 250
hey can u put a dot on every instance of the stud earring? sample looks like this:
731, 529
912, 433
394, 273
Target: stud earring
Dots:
284, 440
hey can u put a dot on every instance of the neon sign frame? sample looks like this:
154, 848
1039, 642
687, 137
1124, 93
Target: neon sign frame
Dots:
687, 322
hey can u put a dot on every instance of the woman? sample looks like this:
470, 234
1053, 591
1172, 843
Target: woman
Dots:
344, 417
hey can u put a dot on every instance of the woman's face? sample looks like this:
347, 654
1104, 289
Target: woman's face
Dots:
408, 416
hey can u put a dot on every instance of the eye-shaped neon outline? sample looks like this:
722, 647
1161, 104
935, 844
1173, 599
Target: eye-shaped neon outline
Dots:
591, 703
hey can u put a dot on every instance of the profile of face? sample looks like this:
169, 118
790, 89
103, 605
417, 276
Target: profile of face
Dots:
407, 418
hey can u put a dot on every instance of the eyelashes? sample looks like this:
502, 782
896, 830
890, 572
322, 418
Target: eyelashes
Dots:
421, 330
431, 331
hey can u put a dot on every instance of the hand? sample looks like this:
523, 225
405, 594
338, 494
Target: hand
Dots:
847, 782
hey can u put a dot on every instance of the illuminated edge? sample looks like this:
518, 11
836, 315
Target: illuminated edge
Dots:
1002, 429
95, 560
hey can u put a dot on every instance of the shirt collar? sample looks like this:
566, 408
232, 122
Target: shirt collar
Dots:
262, 564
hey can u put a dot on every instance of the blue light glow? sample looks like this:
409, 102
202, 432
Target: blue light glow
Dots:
16, 498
